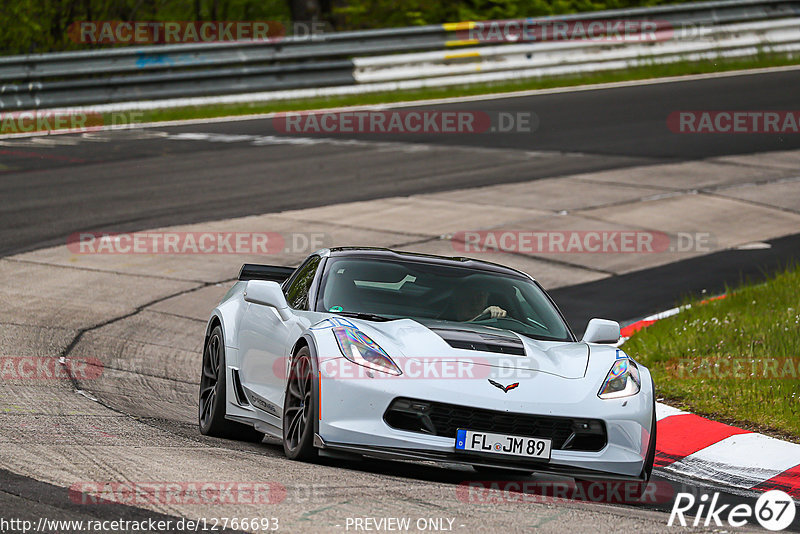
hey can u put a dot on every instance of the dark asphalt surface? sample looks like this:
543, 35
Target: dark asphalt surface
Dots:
124, 182
134, 180
632, 121
640, 293
31, 500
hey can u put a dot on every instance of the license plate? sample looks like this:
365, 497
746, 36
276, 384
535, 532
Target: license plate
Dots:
487, 442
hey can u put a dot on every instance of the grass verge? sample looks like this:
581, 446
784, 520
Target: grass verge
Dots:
640, 73
9, 126
735, 360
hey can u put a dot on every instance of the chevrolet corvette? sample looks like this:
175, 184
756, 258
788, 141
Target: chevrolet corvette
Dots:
365, 352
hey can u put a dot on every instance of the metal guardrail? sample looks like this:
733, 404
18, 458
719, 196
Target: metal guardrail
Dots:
721, 41
349, 58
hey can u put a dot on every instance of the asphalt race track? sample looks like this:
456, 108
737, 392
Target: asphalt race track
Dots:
179, 175
133, 180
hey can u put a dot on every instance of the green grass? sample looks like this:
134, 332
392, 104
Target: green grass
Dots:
703, 358
639, 73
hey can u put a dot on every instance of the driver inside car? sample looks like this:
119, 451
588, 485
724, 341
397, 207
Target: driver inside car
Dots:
472, 304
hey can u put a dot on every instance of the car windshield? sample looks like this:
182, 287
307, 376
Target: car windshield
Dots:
440, 293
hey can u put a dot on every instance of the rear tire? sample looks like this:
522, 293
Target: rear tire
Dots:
213, 391
300, 409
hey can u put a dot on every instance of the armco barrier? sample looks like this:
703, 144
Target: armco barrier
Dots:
416, 56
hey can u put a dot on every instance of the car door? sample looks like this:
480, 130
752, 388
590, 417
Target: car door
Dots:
265, 341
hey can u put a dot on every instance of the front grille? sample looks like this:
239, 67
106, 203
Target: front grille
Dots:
442, 419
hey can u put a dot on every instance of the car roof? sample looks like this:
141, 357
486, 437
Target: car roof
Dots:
455, 261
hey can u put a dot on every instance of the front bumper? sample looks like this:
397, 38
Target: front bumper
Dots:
454, 458
351, 420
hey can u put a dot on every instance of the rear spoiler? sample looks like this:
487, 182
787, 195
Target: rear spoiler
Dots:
273, 273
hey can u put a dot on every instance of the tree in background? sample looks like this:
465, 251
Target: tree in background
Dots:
309, 10
362, 14
34, 26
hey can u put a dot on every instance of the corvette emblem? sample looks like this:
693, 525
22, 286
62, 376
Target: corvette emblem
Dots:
501, 386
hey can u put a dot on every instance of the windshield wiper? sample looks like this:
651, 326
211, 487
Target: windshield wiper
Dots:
365, 316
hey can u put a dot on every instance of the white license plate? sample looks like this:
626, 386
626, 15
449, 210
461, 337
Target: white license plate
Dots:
472, 441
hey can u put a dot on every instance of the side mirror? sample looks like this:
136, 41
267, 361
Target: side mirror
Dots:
601, 331
267, 294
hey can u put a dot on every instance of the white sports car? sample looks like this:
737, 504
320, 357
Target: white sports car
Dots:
374, 353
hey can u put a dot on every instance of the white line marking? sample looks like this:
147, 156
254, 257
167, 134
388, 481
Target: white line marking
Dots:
427, 102
663, 411
742, 461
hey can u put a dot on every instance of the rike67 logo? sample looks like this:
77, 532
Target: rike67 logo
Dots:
774, 510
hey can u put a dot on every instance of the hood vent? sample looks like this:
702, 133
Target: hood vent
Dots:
470, 340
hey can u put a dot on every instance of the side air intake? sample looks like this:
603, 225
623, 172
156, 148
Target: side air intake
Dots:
238, 390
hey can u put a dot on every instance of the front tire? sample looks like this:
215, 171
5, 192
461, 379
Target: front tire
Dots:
639, 490
650, 459
300, 409
213, 391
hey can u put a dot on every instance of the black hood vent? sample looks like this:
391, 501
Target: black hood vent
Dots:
482, 341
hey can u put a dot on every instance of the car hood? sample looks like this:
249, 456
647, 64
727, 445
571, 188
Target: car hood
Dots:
480, 345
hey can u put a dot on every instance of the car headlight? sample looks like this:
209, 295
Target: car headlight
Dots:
357, 347
622, 380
